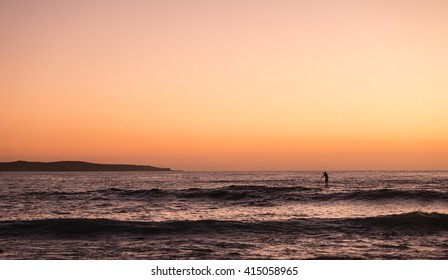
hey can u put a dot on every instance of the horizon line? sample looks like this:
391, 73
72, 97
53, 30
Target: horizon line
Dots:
243, 170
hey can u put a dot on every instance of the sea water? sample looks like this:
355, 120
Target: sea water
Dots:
224, 215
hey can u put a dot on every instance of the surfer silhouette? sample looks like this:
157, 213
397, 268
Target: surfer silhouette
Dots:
325, 175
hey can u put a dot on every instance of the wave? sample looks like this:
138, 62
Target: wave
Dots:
384, 194
249, 193
263, 181
232, 192
418, 222
243, 192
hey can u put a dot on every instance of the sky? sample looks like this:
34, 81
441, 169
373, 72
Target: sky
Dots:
226, 85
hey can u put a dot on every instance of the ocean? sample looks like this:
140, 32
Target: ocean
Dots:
224, 215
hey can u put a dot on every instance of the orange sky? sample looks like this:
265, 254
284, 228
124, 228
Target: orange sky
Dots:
226, 85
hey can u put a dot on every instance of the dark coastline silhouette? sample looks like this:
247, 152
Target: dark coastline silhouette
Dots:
67, 166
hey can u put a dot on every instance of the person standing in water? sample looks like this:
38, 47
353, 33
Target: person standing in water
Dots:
325, 175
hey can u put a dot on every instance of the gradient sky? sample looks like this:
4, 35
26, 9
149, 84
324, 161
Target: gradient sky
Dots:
226, 85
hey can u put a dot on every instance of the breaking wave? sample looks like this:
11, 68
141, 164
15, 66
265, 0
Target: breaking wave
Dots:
250, 193
78, 228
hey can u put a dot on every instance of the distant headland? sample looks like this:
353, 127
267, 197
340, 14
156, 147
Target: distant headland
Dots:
68, 166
